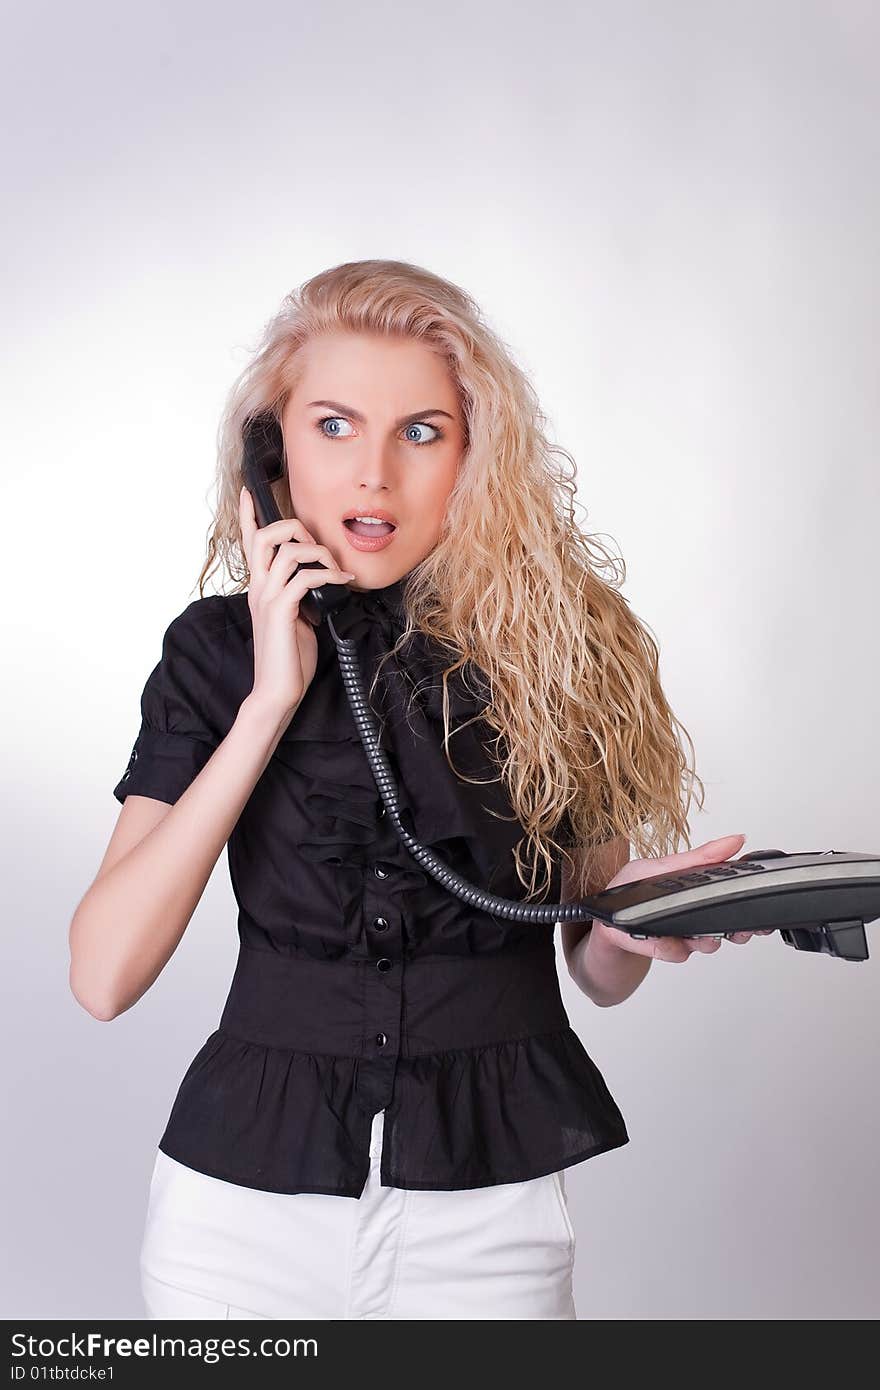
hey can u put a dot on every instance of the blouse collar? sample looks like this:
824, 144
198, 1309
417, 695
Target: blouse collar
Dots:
388, 599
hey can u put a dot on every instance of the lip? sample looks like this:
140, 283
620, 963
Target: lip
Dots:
368, 542
377, 512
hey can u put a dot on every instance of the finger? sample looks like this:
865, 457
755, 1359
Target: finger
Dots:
712, 852
707, 945
247, 521
295, 554
302, 580
672, 949
620, 937
267, 540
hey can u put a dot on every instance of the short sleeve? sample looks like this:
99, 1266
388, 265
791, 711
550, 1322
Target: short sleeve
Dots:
181, 724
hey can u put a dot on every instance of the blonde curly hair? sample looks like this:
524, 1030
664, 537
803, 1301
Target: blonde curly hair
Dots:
586, 744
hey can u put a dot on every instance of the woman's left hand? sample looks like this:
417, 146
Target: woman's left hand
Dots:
674, 948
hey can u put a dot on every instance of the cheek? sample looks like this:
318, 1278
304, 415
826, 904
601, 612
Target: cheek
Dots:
308, 510
437, 498
430, 512
308, 494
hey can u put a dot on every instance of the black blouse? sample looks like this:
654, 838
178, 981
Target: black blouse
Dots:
361, 983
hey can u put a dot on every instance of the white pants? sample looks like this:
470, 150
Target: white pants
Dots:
215, 1249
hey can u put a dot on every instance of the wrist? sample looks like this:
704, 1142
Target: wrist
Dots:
605, 938
264, 715
605, 970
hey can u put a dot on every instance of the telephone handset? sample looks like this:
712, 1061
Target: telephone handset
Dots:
818, 901
262, 464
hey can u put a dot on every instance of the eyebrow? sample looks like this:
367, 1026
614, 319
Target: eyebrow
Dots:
361, 419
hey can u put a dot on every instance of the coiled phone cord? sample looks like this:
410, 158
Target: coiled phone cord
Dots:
384, 777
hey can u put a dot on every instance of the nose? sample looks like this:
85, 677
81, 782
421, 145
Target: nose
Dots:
374, 474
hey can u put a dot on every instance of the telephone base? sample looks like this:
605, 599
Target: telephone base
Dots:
846, 938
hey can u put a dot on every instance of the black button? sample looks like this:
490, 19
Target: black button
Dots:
381, 1039
384, 963
380, 924
379, 871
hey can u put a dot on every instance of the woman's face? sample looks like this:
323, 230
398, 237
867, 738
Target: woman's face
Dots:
373, 426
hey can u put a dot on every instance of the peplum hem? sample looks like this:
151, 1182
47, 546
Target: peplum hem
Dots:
290, 1121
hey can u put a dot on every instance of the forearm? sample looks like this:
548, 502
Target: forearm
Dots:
132, 918
604, 972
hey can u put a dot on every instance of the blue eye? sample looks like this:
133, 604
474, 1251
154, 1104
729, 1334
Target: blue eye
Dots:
422, 425
338, 420
330, 419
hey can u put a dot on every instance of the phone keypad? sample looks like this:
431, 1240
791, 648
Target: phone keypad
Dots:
708, 875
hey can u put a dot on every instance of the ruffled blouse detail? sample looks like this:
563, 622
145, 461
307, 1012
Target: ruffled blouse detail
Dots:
361, 983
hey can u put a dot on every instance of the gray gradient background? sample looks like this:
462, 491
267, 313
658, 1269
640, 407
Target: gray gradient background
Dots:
670, 213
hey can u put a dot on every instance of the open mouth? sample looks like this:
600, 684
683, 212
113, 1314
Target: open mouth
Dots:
369, 528
368, 536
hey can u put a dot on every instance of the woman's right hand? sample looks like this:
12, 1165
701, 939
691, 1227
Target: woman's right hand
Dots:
285, 646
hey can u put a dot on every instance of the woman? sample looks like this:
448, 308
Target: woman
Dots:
379, 1126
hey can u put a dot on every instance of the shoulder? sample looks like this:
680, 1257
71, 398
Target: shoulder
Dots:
193, 642
237, 612
217, 632
203, 670
208, 614
205, 621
